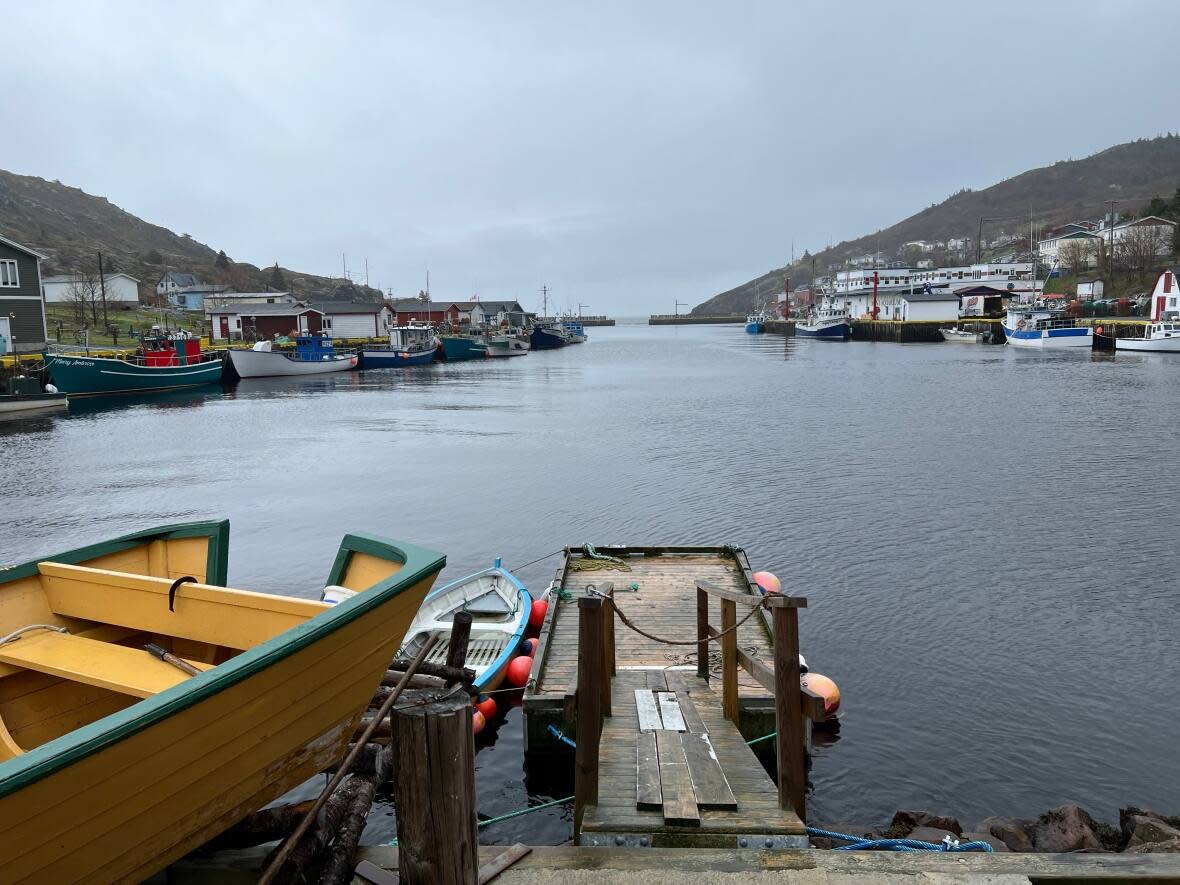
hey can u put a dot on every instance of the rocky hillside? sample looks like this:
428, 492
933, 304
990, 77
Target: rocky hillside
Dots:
1131, 173
71, 227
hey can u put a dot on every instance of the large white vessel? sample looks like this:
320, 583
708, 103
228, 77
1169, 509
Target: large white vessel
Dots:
828, 321
1027, 326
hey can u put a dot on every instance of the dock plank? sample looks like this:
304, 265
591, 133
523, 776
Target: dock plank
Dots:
692, 717
670, 711
648, 794
649, 713
680, 801
708, 780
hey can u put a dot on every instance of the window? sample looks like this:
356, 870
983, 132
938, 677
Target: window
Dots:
327, 322
8, 274
238, 323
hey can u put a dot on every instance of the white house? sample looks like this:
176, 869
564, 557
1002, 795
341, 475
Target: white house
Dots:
1050, 248
229, 299
1151, 230
174, 280
940, 306
362, 319
120, 287
1090, 289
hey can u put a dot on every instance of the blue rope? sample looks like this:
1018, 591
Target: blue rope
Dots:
859, 843
561, 737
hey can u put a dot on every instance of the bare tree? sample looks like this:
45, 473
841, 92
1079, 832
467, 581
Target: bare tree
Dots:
1140, 246
84, 295
1077, 255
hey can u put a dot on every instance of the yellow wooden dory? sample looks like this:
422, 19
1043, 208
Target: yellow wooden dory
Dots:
114, 763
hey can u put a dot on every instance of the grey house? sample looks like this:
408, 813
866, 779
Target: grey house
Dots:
22, 304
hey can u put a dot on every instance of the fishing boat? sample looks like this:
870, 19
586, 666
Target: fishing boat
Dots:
24, 396
826, 322
1045, 328
959, 336
117, 759
548, 336
499, 606
164, 361
313, 355
1162, 334
507, 345
574, 331
756, 323
410, 345
456, 348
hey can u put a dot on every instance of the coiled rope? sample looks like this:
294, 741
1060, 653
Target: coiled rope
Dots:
592, 561
860, 843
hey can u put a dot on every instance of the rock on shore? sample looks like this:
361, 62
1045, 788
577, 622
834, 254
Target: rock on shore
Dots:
1066, 828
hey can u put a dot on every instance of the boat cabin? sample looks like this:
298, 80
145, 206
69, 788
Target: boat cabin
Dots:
412, 337
314, 348
164, 350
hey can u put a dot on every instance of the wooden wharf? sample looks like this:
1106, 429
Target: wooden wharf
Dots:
661, 759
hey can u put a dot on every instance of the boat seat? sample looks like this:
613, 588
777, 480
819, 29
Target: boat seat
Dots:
480, 652
115, 667
490, 603
236, 619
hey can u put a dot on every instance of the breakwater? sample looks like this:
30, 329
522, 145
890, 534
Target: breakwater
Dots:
688, 319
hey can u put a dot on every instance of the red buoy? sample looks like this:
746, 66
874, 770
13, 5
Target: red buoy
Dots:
528, 647
477, 722
824, 687
537, 615
518, 670
487, 707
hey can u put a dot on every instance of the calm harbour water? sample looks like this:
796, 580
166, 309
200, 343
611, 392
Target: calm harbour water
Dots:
987, 537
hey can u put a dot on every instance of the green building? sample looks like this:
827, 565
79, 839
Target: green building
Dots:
22, 303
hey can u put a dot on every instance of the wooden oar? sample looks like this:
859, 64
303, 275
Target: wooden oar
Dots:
293, 840
167, 657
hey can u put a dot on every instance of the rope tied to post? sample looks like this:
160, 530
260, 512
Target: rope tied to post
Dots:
631, 625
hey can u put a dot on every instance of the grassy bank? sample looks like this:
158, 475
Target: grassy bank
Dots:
123, 325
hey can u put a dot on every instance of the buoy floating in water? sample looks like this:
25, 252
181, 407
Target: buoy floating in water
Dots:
825, 688
518, 670
537, 615
487, 706
477, 722
767, 582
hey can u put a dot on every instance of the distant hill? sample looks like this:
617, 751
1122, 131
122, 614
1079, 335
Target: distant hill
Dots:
1131, 173
71, 227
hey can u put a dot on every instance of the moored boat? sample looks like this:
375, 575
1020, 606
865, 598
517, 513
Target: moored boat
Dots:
959, 336
117, 762
1162, 334
756, 323
499, 606
574, 331
24, 396
162, 362
410, 345
507, 345
548, 337
827, 322
1044, 328
313, 355
462, 347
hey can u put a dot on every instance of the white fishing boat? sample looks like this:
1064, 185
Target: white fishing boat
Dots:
1027, 326
828, 322
1162, 334
499, 606
313, 355
959, 336
507, 345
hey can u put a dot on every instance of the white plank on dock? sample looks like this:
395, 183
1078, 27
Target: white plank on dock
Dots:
670, 711
649, 714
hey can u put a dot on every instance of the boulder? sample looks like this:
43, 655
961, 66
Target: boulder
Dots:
849, 829
1065, 828
933, 835
1145, 827
904, 823
997, 845
1012, 831
1172, 846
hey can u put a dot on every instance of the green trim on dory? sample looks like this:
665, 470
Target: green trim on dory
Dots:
418, 563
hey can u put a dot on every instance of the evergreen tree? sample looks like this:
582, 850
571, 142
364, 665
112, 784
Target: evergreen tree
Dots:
222, 259
277, 281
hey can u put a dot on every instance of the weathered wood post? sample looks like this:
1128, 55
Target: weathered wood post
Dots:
729, 679
589, 706
788, 704
609, 637
434, 791
702, 633
460, 639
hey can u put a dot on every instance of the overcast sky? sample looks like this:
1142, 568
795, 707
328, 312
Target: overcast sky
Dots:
625, 154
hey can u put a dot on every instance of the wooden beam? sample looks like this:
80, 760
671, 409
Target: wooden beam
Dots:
648, 796
709, 783
729, 683
589, 707
712, 589
649, 713
670, 713
702, 632
792, 775
680, 802
543, 641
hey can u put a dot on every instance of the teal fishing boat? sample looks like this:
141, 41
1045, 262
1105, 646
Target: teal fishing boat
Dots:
462, 347
162, 362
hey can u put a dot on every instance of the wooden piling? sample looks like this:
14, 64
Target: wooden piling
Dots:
342, 855
729, 681
434, 791
702, 634
460, 638
591, 672
792, 773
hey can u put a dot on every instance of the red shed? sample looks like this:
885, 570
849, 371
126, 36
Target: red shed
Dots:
255, 322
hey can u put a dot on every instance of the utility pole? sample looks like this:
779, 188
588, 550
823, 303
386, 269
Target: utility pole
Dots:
580, 306
102, 284
344, 262
676, 308
979, 242
1110, 252
544, 301
366, 273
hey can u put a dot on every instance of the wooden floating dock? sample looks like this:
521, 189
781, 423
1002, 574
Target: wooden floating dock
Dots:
660, 757
688, 319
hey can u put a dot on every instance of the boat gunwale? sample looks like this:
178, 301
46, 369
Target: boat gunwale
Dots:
58, 754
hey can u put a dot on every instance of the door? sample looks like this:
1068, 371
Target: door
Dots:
303, 323
225, 327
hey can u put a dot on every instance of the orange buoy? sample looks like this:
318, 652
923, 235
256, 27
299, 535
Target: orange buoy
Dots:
825, 688
477, 722
767, 582
487, 707
537, 615
518, 670
528, 647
